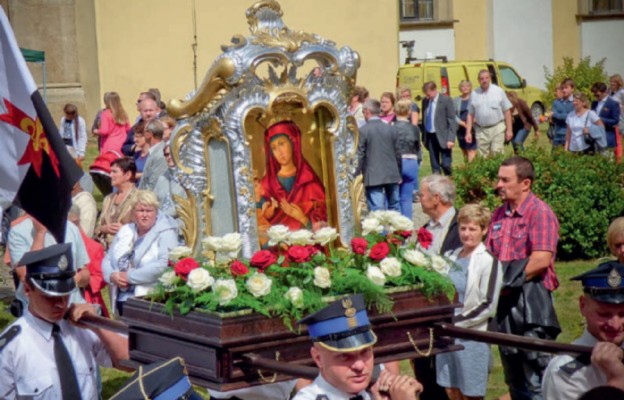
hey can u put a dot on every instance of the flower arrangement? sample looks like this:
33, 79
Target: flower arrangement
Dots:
300, 269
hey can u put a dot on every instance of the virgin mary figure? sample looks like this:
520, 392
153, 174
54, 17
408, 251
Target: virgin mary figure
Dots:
290, 193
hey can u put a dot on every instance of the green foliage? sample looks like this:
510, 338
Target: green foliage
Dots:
583, 74
586, 193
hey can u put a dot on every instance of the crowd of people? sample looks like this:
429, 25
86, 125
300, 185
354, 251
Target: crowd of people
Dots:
501, 262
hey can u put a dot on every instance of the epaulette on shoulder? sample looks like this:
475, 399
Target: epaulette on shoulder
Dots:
571, 367
9, 335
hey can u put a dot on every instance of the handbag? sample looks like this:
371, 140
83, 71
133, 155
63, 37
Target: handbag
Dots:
550, 133
595, 137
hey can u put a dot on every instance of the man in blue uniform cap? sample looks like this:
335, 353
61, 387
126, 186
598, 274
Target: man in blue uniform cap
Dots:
602, 306
44, 355
343, 351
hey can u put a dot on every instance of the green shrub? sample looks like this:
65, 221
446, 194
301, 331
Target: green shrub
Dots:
583, 74
586, 193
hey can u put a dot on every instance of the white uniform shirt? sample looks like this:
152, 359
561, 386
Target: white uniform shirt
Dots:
322, 390
566, 378
28, 368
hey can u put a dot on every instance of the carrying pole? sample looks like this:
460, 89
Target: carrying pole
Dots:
505, 339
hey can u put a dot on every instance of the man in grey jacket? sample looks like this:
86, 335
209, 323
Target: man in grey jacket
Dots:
379, 160
156, 165
440, 127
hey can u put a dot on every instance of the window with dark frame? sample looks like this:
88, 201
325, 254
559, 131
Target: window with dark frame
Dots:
606, 6
416, 10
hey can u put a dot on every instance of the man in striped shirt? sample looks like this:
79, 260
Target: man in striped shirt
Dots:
525, 227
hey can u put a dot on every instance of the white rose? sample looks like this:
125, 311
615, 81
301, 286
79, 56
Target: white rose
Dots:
370, 225
168, 279
322, 277
295, 296
325, 235
231, 243
277, 234
439, 265
179, 252
212, 243
259, 285
416, 257
391, 266
226, 290
375, 275
383, 216
400, 222
301, 237
199, 279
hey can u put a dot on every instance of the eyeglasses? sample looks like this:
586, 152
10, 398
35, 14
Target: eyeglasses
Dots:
167, 154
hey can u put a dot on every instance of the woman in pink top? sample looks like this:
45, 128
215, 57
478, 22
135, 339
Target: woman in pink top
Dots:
113, 124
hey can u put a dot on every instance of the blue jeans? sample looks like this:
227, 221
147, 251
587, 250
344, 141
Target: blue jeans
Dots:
378, 196
519, 139
524, 377
408, 185
440, 158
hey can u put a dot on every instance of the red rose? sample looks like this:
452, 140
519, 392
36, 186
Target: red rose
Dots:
183, 267
395, 241
405, 234
237, 268
425, 238
359, 245
299, 254
263, 259
379, 251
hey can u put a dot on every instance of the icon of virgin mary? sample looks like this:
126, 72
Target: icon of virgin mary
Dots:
290, 193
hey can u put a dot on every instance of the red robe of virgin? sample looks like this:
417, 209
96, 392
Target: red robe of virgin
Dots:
307, 192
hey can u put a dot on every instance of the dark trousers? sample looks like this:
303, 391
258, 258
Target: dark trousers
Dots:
440, 158
524, 377
425, 372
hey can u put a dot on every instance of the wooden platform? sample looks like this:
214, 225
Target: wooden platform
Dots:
213, 346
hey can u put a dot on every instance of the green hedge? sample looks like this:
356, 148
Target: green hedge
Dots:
585, 192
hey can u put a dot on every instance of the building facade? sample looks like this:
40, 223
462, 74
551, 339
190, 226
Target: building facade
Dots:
95, 46
529, 34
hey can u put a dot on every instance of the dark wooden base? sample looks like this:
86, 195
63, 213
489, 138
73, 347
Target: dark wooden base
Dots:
214, 347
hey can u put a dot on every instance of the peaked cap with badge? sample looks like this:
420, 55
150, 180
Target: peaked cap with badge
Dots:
604, 283
51, 269
162, 380
342, 326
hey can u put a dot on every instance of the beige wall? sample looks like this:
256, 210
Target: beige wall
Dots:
132, 58
566, 31
471, 42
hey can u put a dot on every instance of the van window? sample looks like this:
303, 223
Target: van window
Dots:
509, 77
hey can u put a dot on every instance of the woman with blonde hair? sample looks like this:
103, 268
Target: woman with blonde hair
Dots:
114, 124
462, 105
139, 253
616, 91
478, 277
579, 121
615, 238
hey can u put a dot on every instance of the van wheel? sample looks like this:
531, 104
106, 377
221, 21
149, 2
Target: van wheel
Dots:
537, 110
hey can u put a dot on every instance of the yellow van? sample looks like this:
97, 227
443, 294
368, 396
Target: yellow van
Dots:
448, 74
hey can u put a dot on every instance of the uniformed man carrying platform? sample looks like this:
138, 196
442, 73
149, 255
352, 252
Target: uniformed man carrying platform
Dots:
343, 351
42, 354
602, 305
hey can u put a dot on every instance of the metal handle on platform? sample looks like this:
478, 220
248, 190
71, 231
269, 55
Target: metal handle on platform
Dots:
272, 380
429, 349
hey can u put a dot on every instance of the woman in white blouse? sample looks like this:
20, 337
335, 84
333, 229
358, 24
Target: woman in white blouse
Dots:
578, 122
74, 131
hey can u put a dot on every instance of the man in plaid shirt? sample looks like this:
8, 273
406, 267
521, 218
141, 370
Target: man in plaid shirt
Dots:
525, 227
